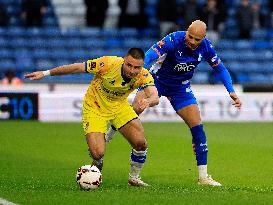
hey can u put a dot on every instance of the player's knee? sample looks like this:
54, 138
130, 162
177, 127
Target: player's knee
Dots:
194, 122
140, 145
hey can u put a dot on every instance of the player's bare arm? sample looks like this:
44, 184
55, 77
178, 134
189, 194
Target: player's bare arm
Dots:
236, 101
144, 99
61, 70
151, 95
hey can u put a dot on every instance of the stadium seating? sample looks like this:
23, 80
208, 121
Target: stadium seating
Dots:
42, 48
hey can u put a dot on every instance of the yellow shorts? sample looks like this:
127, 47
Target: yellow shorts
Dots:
93, 122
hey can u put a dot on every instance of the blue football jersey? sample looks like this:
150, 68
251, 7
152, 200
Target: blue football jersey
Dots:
176, 62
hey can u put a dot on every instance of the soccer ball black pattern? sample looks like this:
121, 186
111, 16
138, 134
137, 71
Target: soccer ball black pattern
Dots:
88, 177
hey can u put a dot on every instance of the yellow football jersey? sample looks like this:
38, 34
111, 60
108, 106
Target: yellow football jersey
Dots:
108, 91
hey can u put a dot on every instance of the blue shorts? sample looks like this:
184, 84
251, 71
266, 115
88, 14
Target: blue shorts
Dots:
179, 96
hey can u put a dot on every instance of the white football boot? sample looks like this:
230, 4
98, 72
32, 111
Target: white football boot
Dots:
136, 181
208, 181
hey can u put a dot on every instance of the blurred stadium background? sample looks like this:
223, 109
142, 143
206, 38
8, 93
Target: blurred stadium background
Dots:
64, 38
38, 160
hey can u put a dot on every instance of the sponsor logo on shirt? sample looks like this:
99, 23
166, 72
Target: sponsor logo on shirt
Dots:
113, 92
184, 67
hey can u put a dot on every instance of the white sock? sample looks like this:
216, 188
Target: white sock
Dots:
135, 169
136, 166
110, 134
202, 169
98, 163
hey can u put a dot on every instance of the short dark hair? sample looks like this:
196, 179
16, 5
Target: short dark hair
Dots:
136, 53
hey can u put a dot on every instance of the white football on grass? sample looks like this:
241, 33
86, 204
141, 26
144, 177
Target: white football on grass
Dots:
89, 177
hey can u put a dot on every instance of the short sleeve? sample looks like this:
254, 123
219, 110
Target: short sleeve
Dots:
211, 56
165, 45
146, 79
97, 66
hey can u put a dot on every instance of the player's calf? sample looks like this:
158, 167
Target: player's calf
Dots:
199, 144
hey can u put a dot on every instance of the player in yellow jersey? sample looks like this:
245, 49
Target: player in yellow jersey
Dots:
106, 101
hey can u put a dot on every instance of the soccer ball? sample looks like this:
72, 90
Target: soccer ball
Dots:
89, 177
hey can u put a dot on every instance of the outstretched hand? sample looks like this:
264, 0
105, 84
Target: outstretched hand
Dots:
236, 101
143, 104
35, 75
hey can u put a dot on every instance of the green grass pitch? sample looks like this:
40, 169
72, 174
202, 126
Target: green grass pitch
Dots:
38, 163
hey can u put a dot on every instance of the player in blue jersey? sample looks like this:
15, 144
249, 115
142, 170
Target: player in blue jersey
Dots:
177, 56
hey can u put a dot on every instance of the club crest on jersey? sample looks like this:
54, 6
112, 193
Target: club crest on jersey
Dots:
161, 43
101, 64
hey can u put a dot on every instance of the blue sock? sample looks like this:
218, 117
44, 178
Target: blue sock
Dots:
138, 159
138, 156
199, 143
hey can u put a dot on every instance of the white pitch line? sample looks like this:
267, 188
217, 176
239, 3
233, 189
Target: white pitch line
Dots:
5, 202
